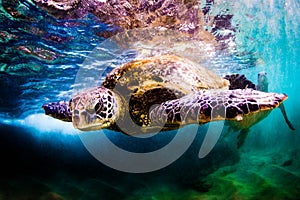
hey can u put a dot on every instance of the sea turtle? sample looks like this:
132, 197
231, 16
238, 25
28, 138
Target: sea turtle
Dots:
165, 92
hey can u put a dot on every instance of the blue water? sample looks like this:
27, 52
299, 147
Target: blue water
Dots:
48, 159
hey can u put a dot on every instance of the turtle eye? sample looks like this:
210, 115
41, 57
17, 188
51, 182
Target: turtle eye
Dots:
97, 106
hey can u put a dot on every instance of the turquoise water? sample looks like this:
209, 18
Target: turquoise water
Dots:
44, 158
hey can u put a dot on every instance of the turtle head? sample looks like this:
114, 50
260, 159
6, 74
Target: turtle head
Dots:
95, 109
59, 110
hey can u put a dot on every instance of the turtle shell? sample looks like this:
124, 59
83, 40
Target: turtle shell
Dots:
147, 82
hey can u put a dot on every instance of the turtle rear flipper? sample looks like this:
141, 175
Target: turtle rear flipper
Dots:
282, 109
242, 137
238, 81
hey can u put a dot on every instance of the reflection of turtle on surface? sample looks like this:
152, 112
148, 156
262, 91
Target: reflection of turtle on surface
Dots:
192, 17
163, 93
121, 15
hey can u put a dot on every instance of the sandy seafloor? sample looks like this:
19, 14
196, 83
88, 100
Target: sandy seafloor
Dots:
42, 158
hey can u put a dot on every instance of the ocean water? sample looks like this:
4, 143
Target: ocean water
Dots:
43, 158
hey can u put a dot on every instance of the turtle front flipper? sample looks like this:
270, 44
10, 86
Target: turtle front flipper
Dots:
243, 107
59, 110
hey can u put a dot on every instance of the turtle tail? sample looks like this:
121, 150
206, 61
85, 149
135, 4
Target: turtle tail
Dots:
238, 81
59, 110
